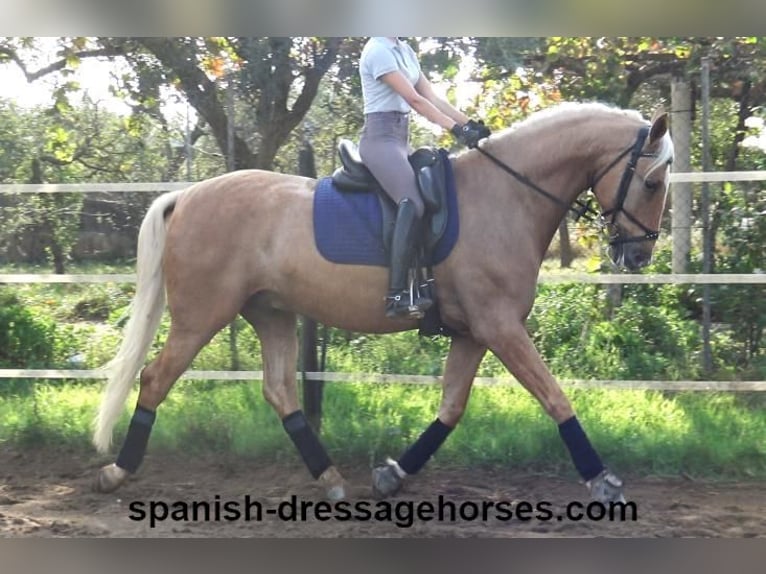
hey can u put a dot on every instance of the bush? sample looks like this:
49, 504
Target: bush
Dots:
26, 339
405, 353
572, 329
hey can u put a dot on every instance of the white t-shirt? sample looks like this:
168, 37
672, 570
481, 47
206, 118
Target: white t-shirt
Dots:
380, 56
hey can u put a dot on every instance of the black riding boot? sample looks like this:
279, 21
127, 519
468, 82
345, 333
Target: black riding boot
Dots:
403, 244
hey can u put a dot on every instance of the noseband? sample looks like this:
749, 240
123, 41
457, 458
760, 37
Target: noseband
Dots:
622, 192
584, 209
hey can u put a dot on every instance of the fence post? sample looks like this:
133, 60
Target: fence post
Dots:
707, 255
231, 165
681, 193
312, 390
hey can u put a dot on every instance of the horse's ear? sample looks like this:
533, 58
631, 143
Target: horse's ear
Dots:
659, 125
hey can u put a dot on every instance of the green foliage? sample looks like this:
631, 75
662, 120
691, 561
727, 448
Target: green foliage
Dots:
67, 145
742, 236
26, 339
93, 308
576, 334
395, 353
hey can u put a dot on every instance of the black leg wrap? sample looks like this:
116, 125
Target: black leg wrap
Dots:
134, 447
415, 457
306, 441
584, 456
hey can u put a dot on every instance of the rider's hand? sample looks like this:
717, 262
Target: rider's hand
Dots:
479, 125
467, 134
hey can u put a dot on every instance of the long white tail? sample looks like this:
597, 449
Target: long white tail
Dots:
145, 315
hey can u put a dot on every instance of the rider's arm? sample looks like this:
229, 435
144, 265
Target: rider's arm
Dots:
419, 102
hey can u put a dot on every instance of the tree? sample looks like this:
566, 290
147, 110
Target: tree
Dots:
635, 72
277, 77
70, 144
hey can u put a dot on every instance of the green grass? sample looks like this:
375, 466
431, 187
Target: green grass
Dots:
643, 432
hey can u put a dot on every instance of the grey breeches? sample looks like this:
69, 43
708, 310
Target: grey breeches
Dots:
384, 148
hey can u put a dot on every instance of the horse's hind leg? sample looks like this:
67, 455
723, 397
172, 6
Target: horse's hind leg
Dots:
180, 348
462, 362
279, 345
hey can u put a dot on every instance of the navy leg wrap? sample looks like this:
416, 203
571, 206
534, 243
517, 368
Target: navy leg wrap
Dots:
415, 457
585, 458
134, 447
306, 441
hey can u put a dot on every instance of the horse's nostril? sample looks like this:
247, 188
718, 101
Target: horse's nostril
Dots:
637, 259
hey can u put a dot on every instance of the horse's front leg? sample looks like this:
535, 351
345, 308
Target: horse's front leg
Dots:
279, 348
508, 339
463, 360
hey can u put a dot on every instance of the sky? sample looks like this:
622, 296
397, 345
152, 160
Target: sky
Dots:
757, 139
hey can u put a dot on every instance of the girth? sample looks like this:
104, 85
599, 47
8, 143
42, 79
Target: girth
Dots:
353, 176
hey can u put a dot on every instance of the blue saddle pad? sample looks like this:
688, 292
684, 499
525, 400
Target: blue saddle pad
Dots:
348, 225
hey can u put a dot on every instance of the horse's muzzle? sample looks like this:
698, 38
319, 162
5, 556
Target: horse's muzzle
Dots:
630, 256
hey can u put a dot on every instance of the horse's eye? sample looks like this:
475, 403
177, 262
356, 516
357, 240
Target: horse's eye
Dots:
651, 184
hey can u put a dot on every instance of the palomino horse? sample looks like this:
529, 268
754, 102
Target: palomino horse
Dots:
243, 243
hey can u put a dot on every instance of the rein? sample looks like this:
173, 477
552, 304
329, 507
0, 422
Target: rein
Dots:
584, 209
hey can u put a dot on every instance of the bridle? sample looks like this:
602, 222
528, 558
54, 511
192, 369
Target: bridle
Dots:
622, 192
584, 209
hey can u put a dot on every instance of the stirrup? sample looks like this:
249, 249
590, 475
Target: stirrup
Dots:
405, 306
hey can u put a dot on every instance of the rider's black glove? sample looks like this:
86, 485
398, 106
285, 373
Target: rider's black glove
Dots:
467, 134
479, 125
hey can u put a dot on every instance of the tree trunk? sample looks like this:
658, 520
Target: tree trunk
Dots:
57, 253
565, 247
48, 227
233, 348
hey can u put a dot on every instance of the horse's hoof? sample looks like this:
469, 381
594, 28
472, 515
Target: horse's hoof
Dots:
110, 478
606, 487
333, 481
385, 480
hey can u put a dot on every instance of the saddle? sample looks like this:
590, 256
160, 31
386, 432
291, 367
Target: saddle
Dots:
429, 168
427, 164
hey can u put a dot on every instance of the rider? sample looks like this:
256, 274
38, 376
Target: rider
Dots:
392, 85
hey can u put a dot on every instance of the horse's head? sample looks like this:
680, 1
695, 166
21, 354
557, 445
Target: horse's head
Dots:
631, 189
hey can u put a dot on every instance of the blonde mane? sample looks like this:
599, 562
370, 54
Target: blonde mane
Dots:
575, 110
554, 113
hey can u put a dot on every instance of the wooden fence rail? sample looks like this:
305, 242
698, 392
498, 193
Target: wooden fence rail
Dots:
377, 378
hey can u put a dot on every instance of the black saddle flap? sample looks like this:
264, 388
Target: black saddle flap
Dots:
432, 182
430, 179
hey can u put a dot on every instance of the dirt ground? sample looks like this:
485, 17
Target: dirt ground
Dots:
49, 495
